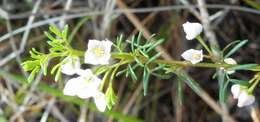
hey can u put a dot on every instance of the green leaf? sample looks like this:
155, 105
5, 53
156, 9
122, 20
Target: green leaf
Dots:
55, 68
241, 82
243, 67
44, 64
65, 32
180, 91
30, 65
101, 69
132, 73
153, 58
55, 30
154, 45
49, 36
58, 74
146, 75
132, 43
144, 53
110, 97
140, 34
138, 61
239, 45
182, 75
33, 73
230, 44
222, 89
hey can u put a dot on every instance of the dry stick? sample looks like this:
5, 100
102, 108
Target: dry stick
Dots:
190, 8
132, 100
28, 26
119, 11
210, 101
25, 36
83, 111
14, 48
66, 8
144, 22
206, 23
84, 10
26, 99
56, 113
47, 110
255, 114
108, 16
213, 42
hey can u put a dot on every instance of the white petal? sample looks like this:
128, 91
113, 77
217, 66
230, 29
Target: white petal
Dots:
90, 85
107, 44
86, 72
194, 56
192, 30
72, 86
101, 102
90, 58
230, 61
104, 59
71, 65
235, 90
87, 92
98, 52
245, 99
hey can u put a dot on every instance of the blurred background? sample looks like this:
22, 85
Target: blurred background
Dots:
22, 23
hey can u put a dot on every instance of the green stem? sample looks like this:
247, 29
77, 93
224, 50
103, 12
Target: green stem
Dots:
129, 57
204, 44
251, 89
104, 79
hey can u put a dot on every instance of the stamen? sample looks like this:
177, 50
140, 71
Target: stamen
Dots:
196, 56
99, 51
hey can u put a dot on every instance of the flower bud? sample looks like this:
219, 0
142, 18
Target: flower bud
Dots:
245, 99
194, 56
235, 90
192, 30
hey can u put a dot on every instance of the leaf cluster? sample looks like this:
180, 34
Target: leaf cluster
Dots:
59, 48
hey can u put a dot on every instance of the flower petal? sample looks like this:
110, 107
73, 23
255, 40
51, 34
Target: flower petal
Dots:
72, 86
192, 55
245, 99
101, 102
71, 65
192, 30
98, 52
235, 90
230, 61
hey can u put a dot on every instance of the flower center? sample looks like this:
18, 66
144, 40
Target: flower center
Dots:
99, 51
196, 56
89, 79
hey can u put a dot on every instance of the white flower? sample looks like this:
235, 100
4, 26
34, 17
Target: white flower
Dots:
235, 90
84, 86
70, 65
98, 52
232, 62
192, 30
245, 99
100, 101
194, 56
